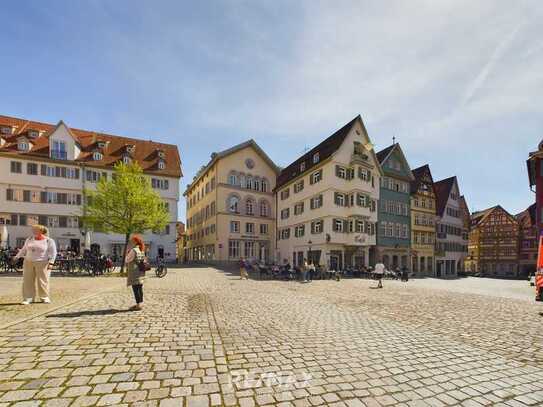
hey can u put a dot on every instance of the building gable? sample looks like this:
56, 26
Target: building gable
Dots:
394, 164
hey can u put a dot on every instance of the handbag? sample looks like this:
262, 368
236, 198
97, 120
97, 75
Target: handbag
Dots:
143, 265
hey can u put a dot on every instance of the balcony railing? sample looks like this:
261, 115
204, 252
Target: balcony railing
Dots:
59, 155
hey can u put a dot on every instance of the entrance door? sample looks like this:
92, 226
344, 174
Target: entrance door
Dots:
75, 245
334, 262
439, 268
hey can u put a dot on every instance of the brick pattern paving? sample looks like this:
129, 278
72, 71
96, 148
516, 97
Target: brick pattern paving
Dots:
208, 339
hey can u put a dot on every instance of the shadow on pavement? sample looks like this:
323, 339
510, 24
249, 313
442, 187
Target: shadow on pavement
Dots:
88, 313
7, 304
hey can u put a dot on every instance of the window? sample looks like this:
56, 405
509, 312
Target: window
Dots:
250, 228
316, 158
161, 164
249, 207
315, 177
359, 226
233, 249
263, 229
249, 249
233, 204
405, 231
264, 185
264, 209
23, 146
285, 193
361, 200
316, 202
97, 156
59, 150
299, 186
52, 221
302, 167
285, 213
249, 182
284, 233
316, 226
32, 169
299, 230
5, 130
364, 174
339, 199
158, 183
233, 179
389, 229
341, 172
338, 225
299, 208
16, 167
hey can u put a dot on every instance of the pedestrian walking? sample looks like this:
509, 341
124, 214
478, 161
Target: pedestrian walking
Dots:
311, 271
243, 270
305, 270
379, 273
135, 275
39, 253
405, 274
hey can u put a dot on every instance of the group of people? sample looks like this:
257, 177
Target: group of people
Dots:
40, 252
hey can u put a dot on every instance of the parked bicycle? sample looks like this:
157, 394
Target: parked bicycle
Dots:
161, 270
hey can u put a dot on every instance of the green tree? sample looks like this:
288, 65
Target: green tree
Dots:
124, 204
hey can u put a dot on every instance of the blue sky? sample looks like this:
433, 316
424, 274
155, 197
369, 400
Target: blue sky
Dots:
458, 83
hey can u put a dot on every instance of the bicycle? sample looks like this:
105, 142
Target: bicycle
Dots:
161, 270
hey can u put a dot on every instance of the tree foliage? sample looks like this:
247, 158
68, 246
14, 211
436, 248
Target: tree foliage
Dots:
124, 204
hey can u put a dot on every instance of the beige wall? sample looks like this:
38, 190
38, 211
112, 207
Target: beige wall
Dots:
329, 184
223, 167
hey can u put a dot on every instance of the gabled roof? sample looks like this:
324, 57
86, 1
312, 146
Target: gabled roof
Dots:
221, 154
419, 173
86, 141
442, 189
528, 216
384, 154
325, 149
478, 217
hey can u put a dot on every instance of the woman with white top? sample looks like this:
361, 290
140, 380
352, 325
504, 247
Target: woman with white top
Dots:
39, 252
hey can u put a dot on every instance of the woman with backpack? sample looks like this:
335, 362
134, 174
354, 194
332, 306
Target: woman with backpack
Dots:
136, 267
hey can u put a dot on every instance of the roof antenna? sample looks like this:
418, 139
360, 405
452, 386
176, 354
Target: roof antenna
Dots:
305, 150
393, 140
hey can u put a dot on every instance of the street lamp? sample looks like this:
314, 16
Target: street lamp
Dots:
309, 254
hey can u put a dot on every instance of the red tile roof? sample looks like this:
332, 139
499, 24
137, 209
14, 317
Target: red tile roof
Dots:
145, 154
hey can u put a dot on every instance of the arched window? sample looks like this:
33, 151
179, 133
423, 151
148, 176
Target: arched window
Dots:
264, 185
249, 207
242, 180
256, 184
249, 182
233, 204
264, 209
233, 178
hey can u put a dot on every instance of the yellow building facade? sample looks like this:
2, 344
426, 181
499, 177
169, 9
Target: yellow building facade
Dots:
231, 207
423, 222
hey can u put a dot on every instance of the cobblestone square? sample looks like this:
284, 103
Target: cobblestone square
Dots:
206, 338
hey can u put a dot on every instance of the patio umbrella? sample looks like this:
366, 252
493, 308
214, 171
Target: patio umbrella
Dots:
4, 237
88, 240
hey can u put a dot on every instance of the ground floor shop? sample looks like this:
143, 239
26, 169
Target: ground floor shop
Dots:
422, 262
449, 265
330, 256
233, 250
393, 257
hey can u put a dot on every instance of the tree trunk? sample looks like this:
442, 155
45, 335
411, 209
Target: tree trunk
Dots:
127, 238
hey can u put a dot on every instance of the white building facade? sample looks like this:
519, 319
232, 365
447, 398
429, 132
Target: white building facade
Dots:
327, 202
44, 169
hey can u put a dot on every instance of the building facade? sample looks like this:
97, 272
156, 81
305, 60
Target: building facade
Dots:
394, 232
231, 207
528, 240
535, 177
44, 169
423, 222
451, 243
493, 243
327, 202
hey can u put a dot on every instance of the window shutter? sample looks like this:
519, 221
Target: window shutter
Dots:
43, 197
14, 219
43, 169
22, 220
26, 196
166, 184
337, 170
57, 172
77, 173
43, 220
369, 175
345, 226
311, 179
9, 194
62, 221
78, 199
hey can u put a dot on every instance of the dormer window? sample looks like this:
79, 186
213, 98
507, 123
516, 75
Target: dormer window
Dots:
316, 158
130, 148
5, 130
302, 167
126, 159
97, 156
23, 146
33, 133
161, 164
161, 154
101, 144
59, 150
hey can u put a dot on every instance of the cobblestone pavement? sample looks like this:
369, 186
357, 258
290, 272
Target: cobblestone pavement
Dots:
206, 338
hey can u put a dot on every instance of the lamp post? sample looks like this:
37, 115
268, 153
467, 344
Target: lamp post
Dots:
309, 254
